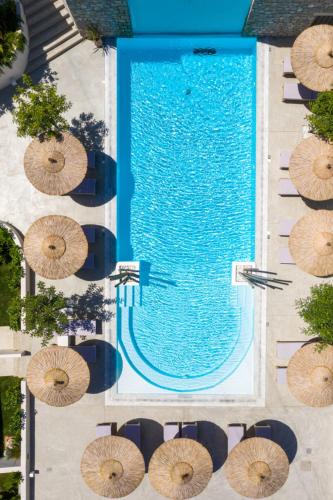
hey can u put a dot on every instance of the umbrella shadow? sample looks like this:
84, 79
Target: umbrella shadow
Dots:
282, 435
318, 205
103, 175
102, 252
151, 436
107, 369
215, 440
91, 133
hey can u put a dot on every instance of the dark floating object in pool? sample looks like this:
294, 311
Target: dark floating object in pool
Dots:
204, 52
188, 91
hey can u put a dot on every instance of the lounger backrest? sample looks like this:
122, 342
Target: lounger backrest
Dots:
284, 350
171, 430
235, 435
133, 432
189, 430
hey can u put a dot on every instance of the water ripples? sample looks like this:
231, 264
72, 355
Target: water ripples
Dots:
192, 211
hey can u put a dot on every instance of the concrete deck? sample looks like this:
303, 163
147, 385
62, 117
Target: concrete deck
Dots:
61, 434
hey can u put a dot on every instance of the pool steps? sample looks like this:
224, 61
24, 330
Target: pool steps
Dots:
129, 296
243, 301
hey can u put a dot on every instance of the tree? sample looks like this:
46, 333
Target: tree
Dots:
39, 109
321, 120
11, 36
11, 254
317, 311
43, 314
6, 246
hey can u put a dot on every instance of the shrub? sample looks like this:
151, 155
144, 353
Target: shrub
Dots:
93, 33
39, 109
11, 416
43, 314
11, 37
11, 399
317, 311
321, 121
11, 254
6, 245
9, 485
11, 272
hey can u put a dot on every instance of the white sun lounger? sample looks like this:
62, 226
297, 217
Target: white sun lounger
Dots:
90, 232
263, 431
63, 340
171, 430
132, 431
235, 435
296, 92
285, 257
284, 160
103, 430
281, 374
90, 262
287, 188
88, 352
91, 159
286, 226
286, 349
189, 430
87, 187
287, 67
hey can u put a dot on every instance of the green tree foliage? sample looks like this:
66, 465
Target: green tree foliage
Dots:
11, 399
39, 110
321, 120
317, 311
6, 246
9, 484
11, 254
43, 314
11, 37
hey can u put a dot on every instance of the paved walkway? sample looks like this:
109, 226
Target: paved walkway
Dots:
62, 434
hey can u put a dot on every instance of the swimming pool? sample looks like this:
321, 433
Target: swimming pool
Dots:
186, 206
182, 16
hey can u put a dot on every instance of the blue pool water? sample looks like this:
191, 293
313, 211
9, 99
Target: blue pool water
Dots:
188, 16
186, 206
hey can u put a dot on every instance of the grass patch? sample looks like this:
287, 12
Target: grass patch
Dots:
10, 414
6, 293
9, 486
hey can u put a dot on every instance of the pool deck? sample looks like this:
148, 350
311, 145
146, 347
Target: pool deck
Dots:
61, 434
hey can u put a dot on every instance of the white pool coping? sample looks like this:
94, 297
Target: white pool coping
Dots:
250, 391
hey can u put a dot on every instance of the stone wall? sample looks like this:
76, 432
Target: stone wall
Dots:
111, 16
284, 17
266, 17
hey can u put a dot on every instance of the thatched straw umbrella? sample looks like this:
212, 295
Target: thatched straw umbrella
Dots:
311, 169
55, 246
310, 375
257, 467
311, 243
312, 57
58, 376
112, 466
56, 166
180, 468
